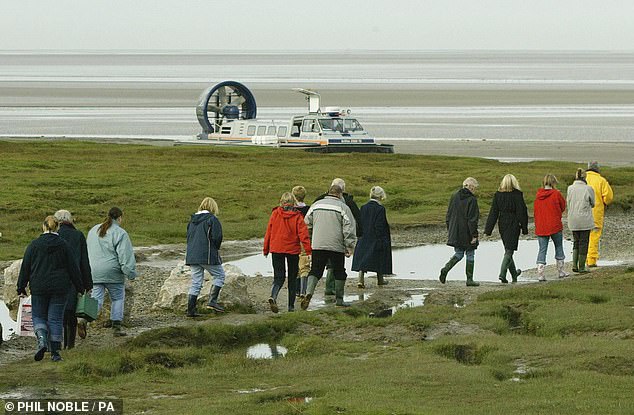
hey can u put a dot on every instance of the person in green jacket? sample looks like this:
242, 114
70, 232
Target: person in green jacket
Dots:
112, 261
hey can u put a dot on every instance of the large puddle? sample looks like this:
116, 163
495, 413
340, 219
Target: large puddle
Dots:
9, 327
266, 351
424, 262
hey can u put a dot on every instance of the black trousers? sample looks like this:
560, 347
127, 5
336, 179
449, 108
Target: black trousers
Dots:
336, 260
280, 261
581, 239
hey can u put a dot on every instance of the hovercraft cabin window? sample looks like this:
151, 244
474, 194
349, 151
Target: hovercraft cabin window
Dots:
271, 130
281, 132
251, 130
262, 130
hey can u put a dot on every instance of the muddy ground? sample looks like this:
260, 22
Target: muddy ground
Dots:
155, 264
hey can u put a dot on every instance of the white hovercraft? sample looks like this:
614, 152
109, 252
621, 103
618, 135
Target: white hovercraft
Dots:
227, 114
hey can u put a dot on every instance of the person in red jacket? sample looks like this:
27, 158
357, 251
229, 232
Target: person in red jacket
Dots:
548, 207
286, 233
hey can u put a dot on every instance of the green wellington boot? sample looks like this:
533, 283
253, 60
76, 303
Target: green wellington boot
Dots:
340, 286
506, 260
469, 272
445, 270
310, 290
361, 280
330, 282
582, 264
515, 272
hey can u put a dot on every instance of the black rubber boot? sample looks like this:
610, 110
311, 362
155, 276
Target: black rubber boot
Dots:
55, 357
469, 272
213, 300
330, 282
117, 331
310, 290
292, 293
445, 270
42, 344
191, 306
340, 286
380, 279
361, 280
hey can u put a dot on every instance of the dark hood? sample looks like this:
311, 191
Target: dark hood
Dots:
200, 217
465, 193
51, 242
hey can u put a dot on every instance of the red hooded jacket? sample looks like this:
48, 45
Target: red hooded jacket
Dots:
548, 207
286, 231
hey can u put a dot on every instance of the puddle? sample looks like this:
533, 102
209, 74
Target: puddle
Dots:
424, 262
9, 327
266, 351
416, 300
300, 399
521, 369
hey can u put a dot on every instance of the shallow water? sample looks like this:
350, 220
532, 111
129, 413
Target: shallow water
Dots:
266, 351
9, 327
424, 262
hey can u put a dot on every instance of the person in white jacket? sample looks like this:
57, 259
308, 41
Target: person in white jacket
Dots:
580, 200
333, 239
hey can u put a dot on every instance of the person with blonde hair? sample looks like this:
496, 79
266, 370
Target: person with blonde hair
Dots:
548, 207
204, 237
77, 243
49, 269
304, 260
580, 200
374, 249
462, 219
112, 261
285, 236
509, 211
603, 195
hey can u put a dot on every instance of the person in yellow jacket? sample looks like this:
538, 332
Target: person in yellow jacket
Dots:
604, 196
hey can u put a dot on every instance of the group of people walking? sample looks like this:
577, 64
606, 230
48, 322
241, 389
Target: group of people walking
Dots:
586, 200
61, 263
304, 241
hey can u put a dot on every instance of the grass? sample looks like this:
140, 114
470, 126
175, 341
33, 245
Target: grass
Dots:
159, 187
577, 359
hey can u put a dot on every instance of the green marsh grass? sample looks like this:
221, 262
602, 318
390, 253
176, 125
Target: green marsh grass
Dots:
160, 187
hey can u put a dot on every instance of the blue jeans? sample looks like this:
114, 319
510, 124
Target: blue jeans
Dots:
459, 253
48, 314
558, 240
198, 276
116, 291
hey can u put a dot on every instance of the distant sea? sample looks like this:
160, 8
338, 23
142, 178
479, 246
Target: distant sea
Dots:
495, 95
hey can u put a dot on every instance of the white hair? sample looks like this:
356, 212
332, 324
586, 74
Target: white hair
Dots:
339, 182
63, 216
470, 183
377, 193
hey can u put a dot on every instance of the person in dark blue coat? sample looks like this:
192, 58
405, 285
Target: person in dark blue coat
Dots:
462, 219
77, 243
49, 269
204, 236
374, 248
509, 211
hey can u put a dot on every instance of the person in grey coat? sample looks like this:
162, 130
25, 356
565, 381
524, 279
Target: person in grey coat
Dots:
333, 238
204, 237
462, 219
580, 200
112, 261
